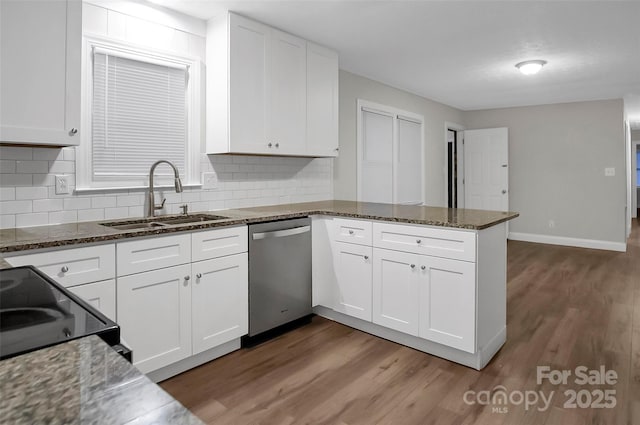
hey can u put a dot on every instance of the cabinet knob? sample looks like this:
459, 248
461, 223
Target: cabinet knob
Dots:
64, 269
270, 144
73, 131
366, 257
199, 275
504, 191
413, 266
351, 232
187, 278
336, 149
277, 145
418, 241
423, 267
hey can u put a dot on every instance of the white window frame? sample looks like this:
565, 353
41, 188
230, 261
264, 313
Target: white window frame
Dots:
84, 162
395, 114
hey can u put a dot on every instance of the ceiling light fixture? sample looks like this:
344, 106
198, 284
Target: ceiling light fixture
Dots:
531, 67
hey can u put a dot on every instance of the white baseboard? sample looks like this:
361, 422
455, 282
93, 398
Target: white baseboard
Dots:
561, 240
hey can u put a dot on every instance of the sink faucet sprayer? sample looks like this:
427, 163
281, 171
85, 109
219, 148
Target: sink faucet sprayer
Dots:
178, 184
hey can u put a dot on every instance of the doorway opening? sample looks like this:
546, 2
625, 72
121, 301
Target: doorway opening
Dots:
454, 169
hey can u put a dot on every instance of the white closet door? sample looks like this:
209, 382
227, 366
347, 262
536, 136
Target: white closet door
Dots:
408, 170
376, 156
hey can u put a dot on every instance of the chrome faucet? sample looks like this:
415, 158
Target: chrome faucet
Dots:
152, 202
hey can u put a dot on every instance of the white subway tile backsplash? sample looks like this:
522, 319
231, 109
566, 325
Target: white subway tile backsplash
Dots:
14, 152
47, 154
77, 203
254, 181
37, 192
30, 167
91, 215
35, 219
7, 221
7, 193
103, 201
42, 205
9, 180
16, 207
61, 217
7, 166
113, 213
61, 167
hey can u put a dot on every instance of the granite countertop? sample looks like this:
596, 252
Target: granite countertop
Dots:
82, 382
25, 238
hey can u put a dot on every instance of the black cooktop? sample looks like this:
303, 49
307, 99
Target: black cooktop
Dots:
37, 312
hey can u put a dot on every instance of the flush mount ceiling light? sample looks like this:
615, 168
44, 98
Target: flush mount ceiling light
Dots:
530, 67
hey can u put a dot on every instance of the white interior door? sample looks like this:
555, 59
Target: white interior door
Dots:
408, 168
375, 179
486, 169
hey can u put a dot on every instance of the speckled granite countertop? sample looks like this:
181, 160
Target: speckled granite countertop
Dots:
82, 382
87, 232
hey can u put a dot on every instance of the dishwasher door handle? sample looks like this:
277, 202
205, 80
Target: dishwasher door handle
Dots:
281, 233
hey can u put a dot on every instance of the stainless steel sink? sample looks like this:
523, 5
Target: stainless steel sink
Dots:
162, 221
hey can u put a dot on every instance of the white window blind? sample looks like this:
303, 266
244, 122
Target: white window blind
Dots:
139, 115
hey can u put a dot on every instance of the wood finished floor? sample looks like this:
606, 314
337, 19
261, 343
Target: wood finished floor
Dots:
567, 307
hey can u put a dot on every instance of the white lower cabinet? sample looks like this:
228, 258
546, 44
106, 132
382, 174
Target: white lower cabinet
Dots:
185, 308
448, 302
353, 277
101, 295
396, 286
154, 312
391, 281
219, 301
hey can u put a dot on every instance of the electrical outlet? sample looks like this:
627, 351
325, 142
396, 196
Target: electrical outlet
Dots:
62, 185
610, 172
209, 180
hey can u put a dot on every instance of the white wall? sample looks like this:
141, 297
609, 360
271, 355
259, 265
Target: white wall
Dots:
557, 157
353, 87
27, 190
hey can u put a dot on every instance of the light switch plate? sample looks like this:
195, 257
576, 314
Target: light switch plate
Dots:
610, 172
62, 185
209, 180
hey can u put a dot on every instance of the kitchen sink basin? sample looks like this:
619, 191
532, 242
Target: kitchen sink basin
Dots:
162, 221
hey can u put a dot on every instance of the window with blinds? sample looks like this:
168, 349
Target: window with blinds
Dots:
138, 116
140, 107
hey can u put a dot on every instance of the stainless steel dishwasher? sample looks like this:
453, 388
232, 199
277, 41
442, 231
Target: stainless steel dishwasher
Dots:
279, 276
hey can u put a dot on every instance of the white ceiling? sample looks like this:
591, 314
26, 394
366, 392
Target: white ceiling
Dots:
462, 53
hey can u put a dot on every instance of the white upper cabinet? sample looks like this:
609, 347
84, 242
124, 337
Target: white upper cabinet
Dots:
40, 72
258, 80
322, 101
288, 111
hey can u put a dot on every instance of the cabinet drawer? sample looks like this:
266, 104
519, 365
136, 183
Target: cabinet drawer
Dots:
73, 266
446, 243
153, 253
218, 243
101, 295
352, 231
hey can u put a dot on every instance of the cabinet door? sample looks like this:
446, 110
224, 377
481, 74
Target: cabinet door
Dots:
154, 312
288, 106
396, 281
220, 301
448, 302
101, 295
40, 71
322, 101
353, 274
248, 85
